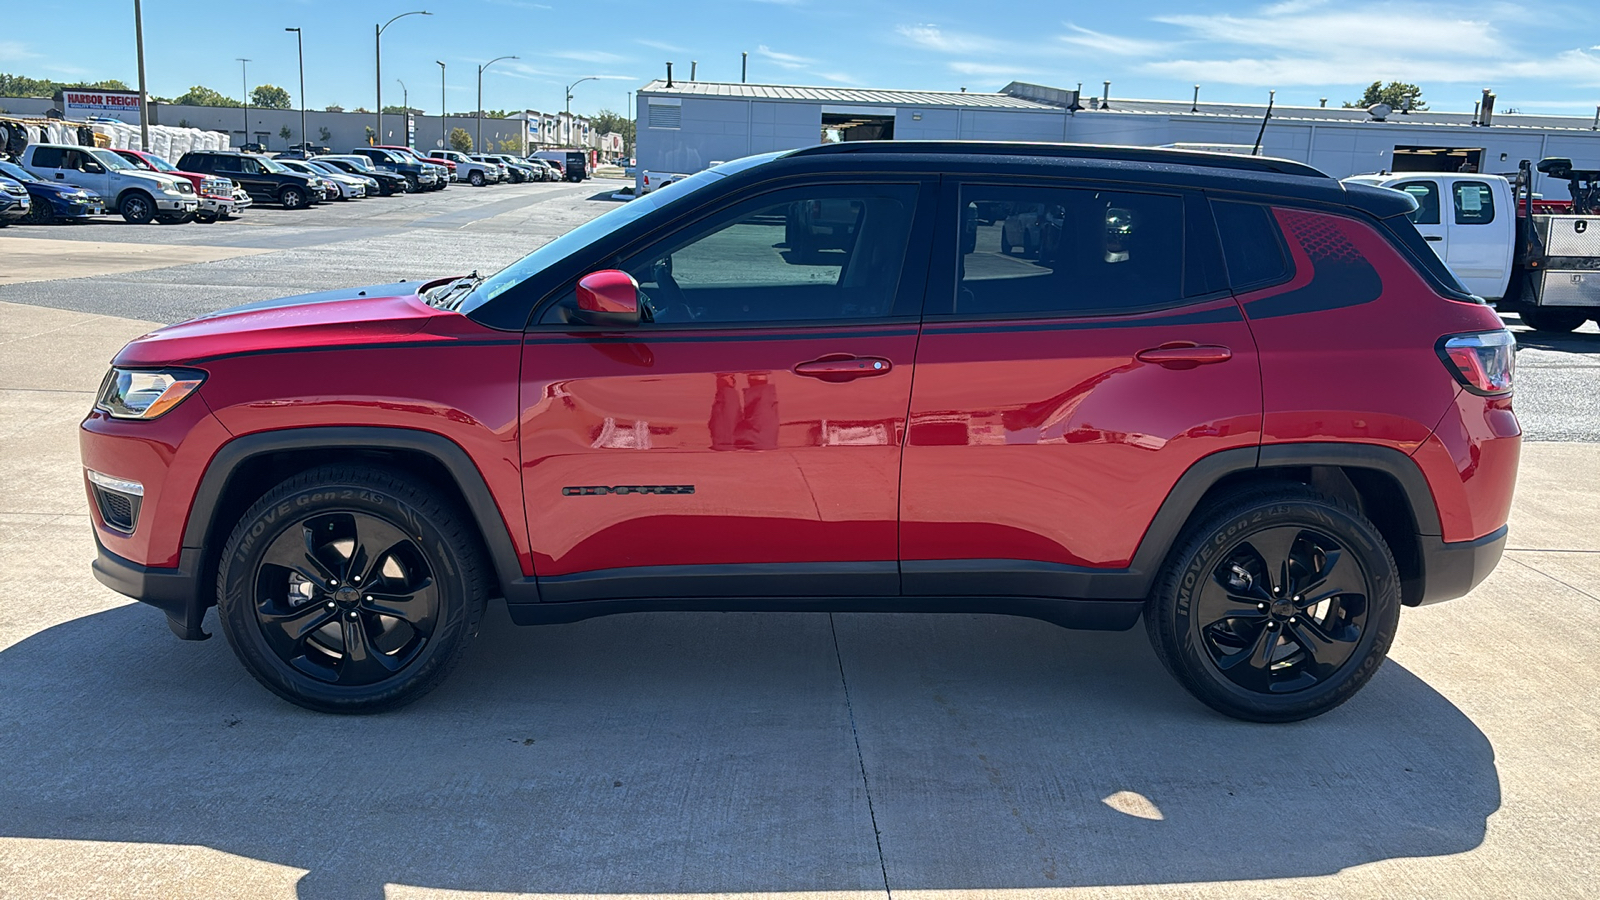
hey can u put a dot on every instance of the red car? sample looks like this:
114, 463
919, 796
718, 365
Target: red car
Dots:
1237, 398
449, 165
219, 197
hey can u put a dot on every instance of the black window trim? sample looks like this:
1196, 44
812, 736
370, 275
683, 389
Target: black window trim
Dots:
1437, 192
1455, 202
1277, 230
950, 219
913, 283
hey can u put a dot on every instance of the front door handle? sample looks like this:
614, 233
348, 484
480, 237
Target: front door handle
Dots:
1185, 354
1433, 237
843, 367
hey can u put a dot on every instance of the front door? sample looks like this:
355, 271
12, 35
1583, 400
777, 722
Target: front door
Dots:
1429, 217
746, 441
1079, 357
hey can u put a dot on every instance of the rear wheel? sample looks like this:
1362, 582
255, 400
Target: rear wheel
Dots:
1543, 318
349, 589
1278, 605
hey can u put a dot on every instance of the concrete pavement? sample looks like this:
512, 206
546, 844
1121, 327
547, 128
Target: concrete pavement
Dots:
778, 754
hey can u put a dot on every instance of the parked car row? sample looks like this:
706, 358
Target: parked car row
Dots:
66, 182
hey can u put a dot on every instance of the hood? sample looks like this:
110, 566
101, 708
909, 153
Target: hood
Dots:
363, 315
55, 188
159, 177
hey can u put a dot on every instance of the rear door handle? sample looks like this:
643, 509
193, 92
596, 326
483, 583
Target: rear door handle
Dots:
843, 367
1185, 354
1433, 237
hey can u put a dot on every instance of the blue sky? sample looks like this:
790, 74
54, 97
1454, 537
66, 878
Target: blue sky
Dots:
1547, 61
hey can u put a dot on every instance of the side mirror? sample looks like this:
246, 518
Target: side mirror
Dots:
93, 168
609, 297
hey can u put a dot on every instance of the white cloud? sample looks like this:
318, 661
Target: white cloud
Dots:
17, 50
932, 37
594, 56
784, 60
838, 77
660, 45
1113, 44
995, 70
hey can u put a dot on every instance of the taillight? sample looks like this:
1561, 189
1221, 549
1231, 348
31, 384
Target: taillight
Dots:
1482, 361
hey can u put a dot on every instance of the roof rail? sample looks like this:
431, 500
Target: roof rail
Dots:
1076, 151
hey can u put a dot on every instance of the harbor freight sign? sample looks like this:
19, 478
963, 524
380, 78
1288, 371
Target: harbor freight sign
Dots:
120, 105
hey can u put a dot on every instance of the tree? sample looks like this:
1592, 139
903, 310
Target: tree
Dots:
333, 107
370, 134
607, 122
324, 134
1397, 94
285, 133
199, 95
400, 110
509, 145
460, 140
23, 86
269, 96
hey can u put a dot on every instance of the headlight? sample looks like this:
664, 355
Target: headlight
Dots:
144, 394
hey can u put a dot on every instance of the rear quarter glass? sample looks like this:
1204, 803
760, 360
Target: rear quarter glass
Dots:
1347, 341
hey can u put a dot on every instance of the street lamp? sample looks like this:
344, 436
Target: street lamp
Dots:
405, 103
305, 145
444, 113
244, 79
479, 144
144, 96
569, 101
377, 36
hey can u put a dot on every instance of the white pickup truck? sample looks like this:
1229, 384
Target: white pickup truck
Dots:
139, 195
1539, 258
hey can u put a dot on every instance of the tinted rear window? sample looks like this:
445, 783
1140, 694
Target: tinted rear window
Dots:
1251, 244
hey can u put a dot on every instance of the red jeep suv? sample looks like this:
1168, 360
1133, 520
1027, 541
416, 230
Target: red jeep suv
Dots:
1227, 393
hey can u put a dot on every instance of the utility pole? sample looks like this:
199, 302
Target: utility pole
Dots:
444, 113
478, 146
244, 79
305, 142
377, 39
144, 97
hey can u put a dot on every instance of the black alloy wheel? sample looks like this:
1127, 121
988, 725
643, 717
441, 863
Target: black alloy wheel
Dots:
137, 208
1278, 606
40, 213
292, 198
350, 590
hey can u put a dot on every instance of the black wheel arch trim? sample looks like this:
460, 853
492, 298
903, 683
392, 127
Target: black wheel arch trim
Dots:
481, 505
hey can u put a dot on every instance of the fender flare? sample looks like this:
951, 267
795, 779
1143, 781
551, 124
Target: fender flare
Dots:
481, 505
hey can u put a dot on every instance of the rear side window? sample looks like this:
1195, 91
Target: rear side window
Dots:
1474, 203
47, 157
1067, 251
1252, 245
1426, 193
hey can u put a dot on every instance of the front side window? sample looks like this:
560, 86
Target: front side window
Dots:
1426, 193
1474, 203
1067, 251
815, 254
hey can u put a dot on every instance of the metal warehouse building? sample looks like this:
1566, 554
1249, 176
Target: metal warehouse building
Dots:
687, 126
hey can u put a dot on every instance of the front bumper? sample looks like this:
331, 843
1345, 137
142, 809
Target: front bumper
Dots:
219, 206
74, 208
1451, 570
177, 205
14, 207
174, 591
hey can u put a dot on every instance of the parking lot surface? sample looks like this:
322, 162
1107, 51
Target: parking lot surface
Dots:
687, 754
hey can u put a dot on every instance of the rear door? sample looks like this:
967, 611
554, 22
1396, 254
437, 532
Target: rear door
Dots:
1077, 357
1482, 237
747, 441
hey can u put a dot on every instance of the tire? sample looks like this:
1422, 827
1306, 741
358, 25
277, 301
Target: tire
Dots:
137, 208
1005, 243
40, 213
206, 218
475, 179
411, 185
292, 198
1259, 662
1557, 321
1028, 245
179, 219
288, 598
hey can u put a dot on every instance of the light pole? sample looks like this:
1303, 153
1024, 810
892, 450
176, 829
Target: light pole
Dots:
305, 145
479, 145
569, 101
377, 38
244, 79
444, 113
144, 98
405, 117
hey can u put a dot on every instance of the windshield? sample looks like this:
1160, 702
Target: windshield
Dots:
360, 162
324, 168
110, 160
11, 170
580, 237
160, 164
272, 165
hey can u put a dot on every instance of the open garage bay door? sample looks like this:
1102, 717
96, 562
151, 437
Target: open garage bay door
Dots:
1438, 159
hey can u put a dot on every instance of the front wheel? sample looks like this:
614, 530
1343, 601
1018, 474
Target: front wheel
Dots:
292, 198
1277, 606
137, 208
350, 589
476, 179
40, 213
1560, 321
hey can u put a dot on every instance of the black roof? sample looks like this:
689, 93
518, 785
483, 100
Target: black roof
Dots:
1075, 151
